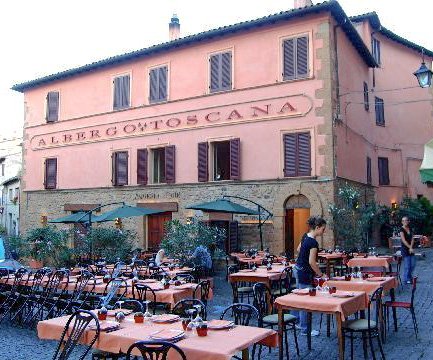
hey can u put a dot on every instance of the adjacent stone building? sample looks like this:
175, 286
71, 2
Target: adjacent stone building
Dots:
281, 110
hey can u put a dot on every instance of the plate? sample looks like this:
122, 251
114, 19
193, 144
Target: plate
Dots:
114, 312
343, 295
165, 318
105, 325
219, 324
300, 291
167, 334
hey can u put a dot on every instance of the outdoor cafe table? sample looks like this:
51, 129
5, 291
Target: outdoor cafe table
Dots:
261, 275
329, 258
217, 345
322, 303
242, 259
371, 261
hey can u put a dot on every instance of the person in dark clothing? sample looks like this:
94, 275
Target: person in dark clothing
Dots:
407, 243
306, 263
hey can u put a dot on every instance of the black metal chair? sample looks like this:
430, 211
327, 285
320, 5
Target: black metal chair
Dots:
114, 290
79, 296
263, 300
158, 275
186, 277
142, 292
367, 326
240, 289
74, 329
154, 350
182, 306
130, 304
283, 285
201, 291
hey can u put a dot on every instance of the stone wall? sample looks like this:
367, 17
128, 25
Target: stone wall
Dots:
270, 194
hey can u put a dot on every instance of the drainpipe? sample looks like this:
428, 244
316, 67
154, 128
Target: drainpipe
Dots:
337, 94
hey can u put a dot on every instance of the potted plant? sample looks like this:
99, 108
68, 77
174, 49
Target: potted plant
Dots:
139, 317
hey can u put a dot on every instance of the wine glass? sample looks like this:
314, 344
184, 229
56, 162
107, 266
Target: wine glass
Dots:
191, 313
147, 314
198, 320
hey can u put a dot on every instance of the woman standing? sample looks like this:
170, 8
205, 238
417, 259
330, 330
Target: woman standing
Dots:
306, 264
407, 243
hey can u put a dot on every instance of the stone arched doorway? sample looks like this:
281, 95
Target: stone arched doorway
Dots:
296, 214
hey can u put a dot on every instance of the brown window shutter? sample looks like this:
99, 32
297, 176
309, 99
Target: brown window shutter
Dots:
290, 155
203, 161
235, 159
288, 59
302, 57
383, 171
50, 173
142, 167
304, 154
52, 106
121, 168
233, 237
170, 164
215, 70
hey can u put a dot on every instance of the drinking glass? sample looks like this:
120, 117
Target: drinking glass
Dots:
191, 313
198, 320
147, 315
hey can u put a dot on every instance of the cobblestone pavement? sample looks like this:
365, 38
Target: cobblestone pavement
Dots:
17, 344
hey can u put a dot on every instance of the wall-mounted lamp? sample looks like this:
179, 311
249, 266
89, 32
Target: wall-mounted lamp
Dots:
118, 223
44, 220
394, 205
423, 74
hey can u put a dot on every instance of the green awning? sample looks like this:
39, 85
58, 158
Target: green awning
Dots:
224, 206
71, 219
426, 169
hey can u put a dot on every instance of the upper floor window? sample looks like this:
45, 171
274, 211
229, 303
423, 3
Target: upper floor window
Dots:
50, 178
380, 111
295, 58
366, 100
11, 194
224, 160
297, 154
368, 170
383, 170
52, 111
158, 84
2, 166
119, 168
375, 49
122, 92
220, 72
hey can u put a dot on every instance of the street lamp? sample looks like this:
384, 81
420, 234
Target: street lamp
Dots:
423, 74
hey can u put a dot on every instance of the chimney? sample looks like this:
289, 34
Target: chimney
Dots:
174, 28
302, 3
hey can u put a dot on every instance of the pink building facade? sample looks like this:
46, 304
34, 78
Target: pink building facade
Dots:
272, 110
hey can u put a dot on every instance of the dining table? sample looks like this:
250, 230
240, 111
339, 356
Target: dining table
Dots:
220, 344
329, 259
260, 275
381, 261
341, 304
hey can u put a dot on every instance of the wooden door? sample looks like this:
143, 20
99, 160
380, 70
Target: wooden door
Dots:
155, 229
295, 227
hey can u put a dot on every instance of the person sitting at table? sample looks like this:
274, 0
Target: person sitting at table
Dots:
159, 258
407, 243
306, 264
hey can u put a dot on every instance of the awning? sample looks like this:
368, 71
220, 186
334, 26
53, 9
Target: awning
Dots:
224, 206
426, 169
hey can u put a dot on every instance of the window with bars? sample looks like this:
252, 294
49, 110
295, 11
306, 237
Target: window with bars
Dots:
50, 174
122, 92
158, 84
368, 170
375, 50
119, 168
295, 58
52, 112
297, 154
224, 160
380, 111
366, 99
220, 66
383, 170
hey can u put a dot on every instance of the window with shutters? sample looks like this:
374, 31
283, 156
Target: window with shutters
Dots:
375, 49
297, 154
121, 92
366, 100
163, 165
383, 171
368, 170
158, 84
50, 176
220, 68
120, 168
380, 111
224, 160
52, 111
295, 58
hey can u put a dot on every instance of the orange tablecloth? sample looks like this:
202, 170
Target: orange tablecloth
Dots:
325, 303
333, 256
371, 261
261, 275
369, 286
218, 345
